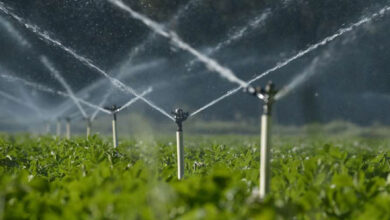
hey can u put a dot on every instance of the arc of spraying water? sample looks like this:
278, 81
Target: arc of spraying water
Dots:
324, 42
25, 43
19, 102
63, 82
15, 33
303, 77
50, 90
252, 24
129, 103
83, 60
236, 35
28, 101
132, 101
126, 105
102, 103
15, 99
159, 29
142, 46
86, 91
139, 48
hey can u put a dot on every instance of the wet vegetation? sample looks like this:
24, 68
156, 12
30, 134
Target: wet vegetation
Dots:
312, 178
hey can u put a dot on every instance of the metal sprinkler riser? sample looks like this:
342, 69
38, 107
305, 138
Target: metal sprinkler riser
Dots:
114, 111
268, 96
180, 116
89, 126
68, 132
58, 127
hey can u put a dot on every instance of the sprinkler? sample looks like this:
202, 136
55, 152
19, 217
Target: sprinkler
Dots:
114, 111
89, 125
267, 95
68, 134
180, 116
58, 128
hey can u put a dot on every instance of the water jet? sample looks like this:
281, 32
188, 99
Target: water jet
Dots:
300, 54
45, 36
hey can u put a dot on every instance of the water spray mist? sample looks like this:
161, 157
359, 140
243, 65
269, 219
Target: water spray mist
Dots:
180, 116
114, 111
268, 96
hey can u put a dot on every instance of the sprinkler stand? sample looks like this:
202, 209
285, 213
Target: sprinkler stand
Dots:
180, 116
114, 132
58, 128
114, 111
89, 125
68, 134
267, 95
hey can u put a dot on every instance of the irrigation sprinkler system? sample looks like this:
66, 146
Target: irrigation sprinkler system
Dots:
63, 94
180, 116
179, 43
44, 36
212, 64
266, 94
114, 110
300, 54
135, 52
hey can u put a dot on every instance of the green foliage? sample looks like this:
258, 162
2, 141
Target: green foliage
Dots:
46, 178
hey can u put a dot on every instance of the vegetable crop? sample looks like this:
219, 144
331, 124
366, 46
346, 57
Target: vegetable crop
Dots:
48, 178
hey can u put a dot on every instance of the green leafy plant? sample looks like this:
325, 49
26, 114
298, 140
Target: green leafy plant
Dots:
47, 178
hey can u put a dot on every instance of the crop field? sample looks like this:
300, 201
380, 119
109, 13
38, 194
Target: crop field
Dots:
195, 109
312, 178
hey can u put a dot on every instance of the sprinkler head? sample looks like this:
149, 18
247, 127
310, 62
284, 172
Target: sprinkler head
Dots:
251, 90
180, 116
113, 108
266, 94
